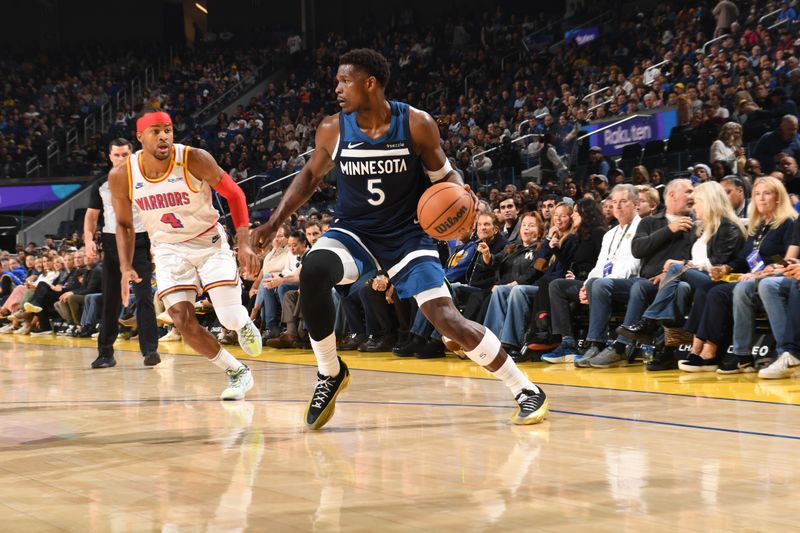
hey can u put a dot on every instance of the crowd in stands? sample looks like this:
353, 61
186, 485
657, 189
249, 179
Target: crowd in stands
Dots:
43, 97
673, 256
751, 77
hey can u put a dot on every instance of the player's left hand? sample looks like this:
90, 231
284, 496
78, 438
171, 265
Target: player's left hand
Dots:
248, 260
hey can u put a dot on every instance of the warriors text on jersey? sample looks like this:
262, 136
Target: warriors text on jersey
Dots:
174, 207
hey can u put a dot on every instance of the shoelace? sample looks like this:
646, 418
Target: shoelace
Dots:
235, 376
322, 391
528, 403
248, 334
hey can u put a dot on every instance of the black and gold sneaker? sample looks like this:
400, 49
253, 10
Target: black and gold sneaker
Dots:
323, 402
531, 407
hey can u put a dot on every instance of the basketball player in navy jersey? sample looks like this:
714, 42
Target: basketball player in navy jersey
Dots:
385, 154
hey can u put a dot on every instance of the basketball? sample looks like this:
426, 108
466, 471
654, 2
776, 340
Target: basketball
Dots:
445, 210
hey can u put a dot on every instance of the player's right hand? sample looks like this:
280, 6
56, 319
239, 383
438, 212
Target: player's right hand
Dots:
261, 236
128, 275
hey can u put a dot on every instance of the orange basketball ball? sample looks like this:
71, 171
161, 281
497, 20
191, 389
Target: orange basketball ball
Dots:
444, 210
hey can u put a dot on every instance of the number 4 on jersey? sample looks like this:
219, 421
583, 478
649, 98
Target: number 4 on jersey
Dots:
172, 220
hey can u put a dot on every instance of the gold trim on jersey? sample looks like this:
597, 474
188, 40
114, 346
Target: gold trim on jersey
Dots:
186, 173
130, 178
163, 176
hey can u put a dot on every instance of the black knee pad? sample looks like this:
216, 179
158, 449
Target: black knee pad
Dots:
322, 269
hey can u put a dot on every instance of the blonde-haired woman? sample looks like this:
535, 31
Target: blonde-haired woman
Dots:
720, 236
640, 175
728, 147
770, 228
511, 304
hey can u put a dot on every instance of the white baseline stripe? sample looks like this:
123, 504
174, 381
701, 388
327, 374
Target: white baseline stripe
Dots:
410, 257
346, 152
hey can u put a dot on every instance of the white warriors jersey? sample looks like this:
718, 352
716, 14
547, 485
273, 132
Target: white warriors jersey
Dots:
175, 207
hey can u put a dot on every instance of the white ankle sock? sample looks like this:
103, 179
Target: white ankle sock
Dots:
327, 358
226, 361
514, 378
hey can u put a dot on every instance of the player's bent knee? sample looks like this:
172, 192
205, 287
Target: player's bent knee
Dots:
182, 316
227, 301
232, 317
445, 317
433, 294
321, 270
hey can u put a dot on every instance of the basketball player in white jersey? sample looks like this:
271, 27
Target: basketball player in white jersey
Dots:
170, 187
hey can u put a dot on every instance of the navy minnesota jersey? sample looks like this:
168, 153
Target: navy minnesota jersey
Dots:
380, 180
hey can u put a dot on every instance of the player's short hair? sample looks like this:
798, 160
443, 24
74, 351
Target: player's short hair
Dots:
120, 141
370, 61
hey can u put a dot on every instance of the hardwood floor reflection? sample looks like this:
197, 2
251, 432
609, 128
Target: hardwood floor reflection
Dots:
136, 449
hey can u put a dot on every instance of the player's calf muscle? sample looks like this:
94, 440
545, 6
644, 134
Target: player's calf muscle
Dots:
450, 323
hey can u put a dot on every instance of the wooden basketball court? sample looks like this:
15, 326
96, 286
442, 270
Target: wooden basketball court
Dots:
413, 445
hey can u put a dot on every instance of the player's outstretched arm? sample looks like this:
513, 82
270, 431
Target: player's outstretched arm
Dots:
425, 139
203, 166
305, 183
119, 185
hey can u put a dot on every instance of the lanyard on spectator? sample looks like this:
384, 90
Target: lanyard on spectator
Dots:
611, 244
760, 237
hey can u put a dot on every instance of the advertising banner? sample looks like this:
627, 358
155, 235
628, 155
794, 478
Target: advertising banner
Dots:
34, 197
642, 129
582, 36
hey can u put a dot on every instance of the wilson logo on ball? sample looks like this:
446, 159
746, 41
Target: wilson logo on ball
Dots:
451, 221
446, 211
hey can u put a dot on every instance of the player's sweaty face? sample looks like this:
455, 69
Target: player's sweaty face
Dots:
157, 140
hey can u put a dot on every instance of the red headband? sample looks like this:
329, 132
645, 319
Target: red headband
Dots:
150, 119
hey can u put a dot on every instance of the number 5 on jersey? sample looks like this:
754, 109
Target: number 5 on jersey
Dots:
172, 220
372, 187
